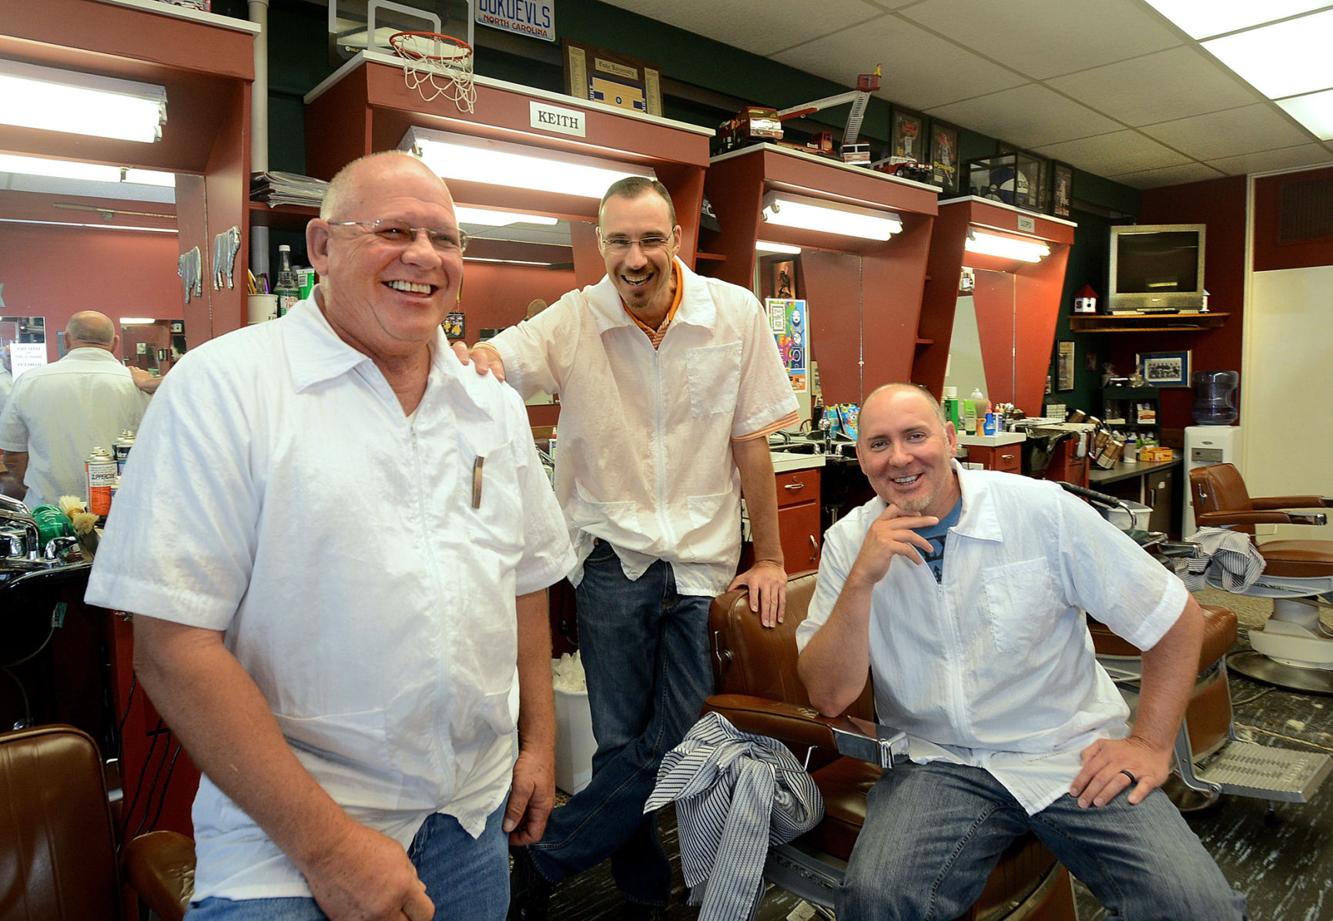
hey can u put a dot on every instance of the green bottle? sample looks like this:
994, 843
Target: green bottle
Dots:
52, 523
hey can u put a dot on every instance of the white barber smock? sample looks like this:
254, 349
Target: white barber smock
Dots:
278, 493
645, 456
61, 411
994, 666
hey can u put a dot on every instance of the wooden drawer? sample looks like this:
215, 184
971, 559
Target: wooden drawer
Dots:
798, 486
798, 528
1005, 458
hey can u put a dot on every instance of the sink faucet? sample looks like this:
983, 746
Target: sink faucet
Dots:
17, 522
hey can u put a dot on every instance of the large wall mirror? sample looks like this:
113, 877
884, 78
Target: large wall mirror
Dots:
983, 350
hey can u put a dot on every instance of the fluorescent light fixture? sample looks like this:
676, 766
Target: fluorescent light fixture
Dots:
490, 218
830, 217
785, 249
17, 220
473, 159
63, 100
506, 261
1217, 17
1314, 111
991, 244
87, 172
137, 321
1281, 59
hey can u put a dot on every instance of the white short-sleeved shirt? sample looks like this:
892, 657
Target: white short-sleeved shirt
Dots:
279, 494
994, 666
645, 456
61, 411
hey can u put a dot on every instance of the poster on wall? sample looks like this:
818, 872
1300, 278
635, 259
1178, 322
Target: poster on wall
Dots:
789, 321
24, 356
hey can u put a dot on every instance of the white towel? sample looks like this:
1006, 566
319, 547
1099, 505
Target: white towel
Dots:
735, 795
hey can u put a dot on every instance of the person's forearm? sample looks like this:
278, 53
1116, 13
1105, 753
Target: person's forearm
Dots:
759, 487
835, 663
536, 700
225, 724
1169, 670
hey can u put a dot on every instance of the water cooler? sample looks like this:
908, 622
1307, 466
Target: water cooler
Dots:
1204, 445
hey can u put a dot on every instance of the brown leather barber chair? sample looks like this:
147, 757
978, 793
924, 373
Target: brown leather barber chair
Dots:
1293, 649
759, 691
58, 842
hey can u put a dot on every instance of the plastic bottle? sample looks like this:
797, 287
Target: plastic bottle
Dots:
287, 288
980, 406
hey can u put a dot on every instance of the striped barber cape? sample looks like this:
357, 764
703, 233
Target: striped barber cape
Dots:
736, 794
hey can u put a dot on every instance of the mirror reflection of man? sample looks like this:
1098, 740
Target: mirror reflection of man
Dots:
59, 412
336, 543
669, 384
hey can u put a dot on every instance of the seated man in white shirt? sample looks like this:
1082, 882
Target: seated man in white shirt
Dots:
335, 541
963, 593
59, 412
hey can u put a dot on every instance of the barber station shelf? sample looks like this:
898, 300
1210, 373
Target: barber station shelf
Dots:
992, 441
786, 461
1145, 322
1124, 471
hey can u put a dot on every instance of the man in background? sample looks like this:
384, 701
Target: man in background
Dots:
59, 412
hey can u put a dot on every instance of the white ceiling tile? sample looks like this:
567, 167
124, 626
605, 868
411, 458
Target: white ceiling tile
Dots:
920, 69
779, 24
1158, 87
1028, 116
1118, 152
1168, 175
1282, 158
1043, 38
1230, 133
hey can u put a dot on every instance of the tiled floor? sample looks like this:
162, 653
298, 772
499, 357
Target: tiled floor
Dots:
1282, 858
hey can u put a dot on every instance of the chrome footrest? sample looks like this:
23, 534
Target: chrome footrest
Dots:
1249, 769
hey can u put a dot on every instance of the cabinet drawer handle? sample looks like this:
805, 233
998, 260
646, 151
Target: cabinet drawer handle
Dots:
794, 487
814, 547
1006, 457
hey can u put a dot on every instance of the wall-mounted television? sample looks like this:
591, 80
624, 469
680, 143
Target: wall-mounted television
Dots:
1156, 267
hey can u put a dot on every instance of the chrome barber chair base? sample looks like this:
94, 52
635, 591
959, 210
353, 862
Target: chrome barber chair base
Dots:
1260, 667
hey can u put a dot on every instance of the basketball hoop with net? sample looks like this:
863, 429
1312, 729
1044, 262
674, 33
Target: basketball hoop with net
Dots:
435, 65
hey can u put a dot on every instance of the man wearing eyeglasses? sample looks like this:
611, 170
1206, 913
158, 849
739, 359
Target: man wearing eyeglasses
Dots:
337, 542
669, 384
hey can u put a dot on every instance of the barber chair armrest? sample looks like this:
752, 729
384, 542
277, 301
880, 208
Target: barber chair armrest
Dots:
1269, 503
159, 867
1227, 518
799, 726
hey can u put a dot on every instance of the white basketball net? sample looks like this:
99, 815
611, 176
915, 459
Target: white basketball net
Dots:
436, 68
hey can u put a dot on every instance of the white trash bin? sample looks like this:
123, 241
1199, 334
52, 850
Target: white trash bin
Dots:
574, 743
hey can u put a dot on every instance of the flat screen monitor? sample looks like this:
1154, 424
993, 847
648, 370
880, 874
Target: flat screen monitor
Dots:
1156, 266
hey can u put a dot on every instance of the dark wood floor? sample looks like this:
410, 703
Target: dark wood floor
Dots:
1281, 858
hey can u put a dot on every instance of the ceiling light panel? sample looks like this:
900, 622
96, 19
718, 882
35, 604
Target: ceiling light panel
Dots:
1217, 17
1282, 59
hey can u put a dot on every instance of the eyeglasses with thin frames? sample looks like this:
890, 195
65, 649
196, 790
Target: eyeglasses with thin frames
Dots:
650, 243
401, 234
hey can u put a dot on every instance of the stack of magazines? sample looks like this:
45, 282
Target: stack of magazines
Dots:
278, 188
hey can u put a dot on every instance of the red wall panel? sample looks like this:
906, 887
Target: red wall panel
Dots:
1269, 250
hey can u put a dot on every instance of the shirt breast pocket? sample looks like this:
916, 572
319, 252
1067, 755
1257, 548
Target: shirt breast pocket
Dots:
494, 511
713, 375
1023, 601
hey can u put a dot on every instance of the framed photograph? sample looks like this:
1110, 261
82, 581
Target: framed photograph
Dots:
1042, 179
1164, 369
613, 78
907, 140
944, 156
1064, 365
1062, 188
782, 278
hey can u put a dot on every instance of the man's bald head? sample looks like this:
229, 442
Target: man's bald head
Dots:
886, 390
90, 328
345, 181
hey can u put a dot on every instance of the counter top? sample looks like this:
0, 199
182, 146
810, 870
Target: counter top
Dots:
787, 461
992, 441
1124, 471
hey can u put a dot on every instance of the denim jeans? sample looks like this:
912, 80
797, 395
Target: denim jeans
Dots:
933, 833
465, 878
645, 652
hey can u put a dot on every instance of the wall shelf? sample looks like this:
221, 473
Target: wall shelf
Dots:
282, 217
1145, 322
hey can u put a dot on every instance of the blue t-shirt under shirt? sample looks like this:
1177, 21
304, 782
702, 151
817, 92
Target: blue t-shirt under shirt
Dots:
936, 535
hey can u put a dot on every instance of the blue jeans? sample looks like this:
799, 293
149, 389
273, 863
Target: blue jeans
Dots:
933, 833
465, 878
645, 652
